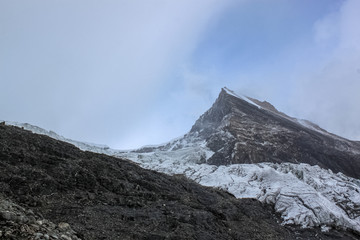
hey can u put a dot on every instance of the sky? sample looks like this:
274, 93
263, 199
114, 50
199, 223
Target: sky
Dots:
132, 73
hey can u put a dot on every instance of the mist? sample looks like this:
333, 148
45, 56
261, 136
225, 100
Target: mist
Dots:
132, 73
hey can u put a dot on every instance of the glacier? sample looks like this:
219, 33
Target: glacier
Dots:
302, 194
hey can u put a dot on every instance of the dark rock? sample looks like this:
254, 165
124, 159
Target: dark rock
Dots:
16, 225
239, 132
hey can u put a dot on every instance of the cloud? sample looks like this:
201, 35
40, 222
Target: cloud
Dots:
92, 71
178, 106
329, 93
129, 73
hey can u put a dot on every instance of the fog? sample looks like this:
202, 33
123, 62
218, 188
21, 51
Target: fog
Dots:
130, 73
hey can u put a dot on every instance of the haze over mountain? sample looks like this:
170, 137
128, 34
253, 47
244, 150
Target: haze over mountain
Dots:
77, 75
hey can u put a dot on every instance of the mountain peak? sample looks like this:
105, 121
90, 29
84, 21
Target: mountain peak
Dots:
240, 129
227, 91
259, 104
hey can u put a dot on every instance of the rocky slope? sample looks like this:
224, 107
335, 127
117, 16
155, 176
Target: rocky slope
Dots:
19, 223
52, 190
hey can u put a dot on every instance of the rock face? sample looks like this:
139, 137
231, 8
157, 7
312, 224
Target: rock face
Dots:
92, 196
244, 130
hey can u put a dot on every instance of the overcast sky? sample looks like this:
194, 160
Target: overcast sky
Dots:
136, 72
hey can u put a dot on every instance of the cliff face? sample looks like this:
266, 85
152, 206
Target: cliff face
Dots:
244, 130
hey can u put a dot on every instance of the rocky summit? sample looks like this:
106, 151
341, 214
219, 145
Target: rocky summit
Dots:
52, 190
244, 130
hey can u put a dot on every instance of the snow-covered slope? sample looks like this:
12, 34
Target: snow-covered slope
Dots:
304, 195
98, 148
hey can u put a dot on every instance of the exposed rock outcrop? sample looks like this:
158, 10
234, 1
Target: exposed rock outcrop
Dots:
243, 130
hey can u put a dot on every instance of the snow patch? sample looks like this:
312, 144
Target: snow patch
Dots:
98, 148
